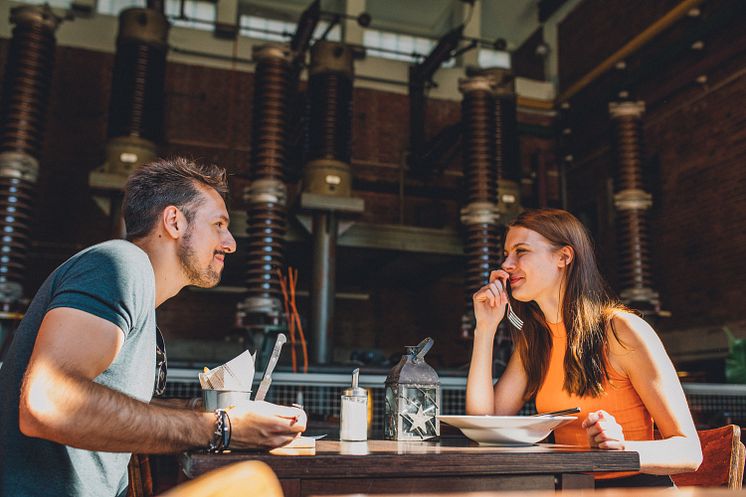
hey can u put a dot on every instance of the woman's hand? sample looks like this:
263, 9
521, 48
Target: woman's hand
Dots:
490, 302
603, 431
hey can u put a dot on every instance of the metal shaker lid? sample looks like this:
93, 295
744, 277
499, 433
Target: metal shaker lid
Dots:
355, 390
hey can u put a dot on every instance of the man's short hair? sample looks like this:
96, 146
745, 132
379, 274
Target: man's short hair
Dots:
164, 182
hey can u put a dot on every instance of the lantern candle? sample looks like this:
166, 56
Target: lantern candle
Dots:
412, 397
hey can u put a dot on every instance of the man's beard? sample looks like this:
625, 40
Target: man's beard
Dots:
207, 278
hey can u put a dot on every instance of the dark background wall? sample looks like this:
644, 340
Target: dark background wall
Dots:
694, 152
405, 296
695, 149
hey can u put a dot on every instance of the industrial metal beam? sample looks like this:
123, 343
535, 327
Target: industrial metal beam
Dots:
376, 236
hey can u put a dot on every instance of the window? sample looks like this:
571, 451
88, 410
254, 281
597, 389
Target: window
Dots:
494, 58
60, 4
334, 35
263, 28
199, 14
395, 46
114, 7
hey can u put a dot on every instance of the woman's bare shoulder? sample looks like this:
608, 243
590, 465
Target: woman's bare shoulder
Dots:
630, 331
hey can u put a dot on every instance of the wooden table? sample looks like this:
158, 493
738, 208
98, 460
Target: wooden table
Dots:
451, 465
605, 492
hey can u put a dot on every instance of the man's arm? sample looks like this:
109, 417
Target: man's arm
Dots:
177, 403
60, 402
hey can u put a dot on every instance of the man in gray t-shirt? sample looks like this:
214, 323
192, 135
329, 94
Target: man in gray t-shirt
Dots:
76, 386
113, 281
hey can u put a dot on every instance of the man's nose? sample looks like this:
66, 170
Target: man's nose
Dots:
229, 243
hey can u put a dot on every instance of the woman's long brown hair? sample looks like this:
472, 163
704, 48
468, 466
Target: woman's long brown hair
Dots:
587, 308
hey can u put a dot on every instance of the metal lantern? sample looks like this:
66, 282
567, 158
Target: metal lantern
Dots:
412, 397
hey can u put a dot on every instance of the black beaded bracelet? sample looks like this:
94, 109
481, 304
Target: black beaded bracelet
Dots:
227, 427
221, 436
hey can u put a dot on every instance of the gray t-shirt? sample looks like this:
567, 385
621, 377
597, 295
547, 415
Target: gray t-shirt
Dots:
113, 280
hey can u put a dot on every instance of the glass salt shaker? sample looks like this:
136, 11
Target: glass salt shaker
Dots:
353, 417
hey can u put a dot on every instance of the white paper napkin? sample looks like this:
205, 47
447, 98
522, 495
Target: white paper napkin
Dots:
236, 374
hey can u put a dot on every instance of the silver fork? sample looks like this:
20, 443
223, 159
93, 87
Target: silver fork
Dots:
513, 318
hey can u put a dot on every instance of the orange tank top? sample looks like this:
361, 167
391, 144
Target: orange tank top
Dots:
620, 399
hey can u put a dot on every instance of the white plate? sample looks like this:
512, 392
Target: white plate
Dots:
506, 430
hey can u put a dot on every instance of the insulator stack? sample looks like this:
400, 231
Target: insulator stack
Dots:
632, 203
137, 101
326, 174
480, 214
136, 104
28, 76
266, 194
507, 154
330, 137
478, 123
565, 146
329, 143
506, 127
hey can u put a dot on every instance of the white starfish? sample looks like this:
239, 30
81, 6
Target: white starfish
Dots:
419, 420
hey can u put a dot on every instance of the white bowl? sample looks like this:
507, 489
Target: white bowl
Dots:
506, 430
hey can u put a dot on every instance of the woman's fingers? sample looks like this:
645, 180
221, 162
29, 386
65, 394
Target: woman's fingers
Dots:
596, 416
494, 292
489, 293
497, 291
616, 445
600, 427
608, 435
483, 295
593, 430
590, 420
490, 302
603, 431
500, 279
499, 274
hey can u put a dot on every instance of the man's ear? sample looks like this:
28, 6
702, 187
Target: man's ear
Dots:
174, 222
567, 255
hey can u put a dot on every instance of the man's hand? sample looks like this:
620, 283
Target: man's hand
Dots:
261, 424
603, 431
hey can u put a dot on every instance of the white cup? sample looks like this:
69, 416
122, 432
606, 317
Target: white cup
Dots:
223, 399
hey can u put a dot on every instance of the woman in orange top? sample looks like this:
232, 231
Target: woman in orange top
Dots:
578, 347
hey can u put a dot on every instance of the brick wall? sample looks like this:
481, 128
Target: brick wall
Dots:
695, 151
597, 28
208, 116
525, 61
